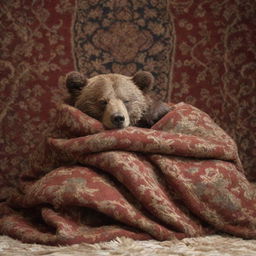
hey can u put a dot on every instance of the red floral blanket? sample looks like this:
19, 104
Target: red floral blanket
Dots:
181, 178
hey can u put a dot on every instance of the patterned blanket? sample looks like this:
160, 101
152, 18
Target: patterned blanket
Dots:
181, 178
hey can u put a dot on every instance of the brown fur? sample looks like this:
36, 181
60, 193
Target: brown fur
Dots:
116, 97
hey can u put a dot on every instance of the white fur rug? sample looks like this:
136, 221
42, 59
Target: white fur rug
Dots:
210, 245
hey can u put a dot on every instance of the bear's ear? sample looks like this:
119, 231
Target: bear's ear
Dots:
75, 81
144, 80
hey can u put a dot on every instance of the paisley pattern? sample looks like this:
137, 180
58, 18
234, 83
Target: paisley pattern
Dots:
181, 178
214, 66
34, 57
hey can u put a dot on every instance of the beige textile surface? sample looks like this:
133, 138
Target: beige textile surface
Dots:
215, 245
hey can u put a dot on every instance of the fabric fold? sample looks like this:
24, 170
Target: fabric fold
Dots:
180, 178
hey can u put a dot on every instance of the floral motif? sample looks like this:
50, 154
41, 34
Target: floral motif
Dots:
123, 40
34, 55
124, 37
214, 66
119, 173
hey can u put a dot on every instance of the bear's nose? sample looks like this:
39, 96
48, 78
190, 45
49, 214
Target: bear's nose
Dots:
117, 119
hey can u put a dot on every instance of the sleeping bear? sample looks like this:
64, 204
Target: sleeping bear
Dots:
116, 100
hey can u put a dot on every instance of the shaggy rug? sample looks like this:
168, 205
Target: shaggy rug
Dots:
210, 245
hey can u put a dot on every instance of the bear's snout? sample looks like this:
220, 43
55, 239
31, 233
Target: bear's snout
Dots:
115, 115
118, 119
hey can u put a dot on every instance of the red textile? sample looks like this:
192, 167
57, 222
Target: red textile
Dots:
200, 52
180, 178
214, 66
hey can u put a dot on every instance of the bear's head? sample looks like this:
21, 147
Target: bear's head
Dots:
116, 100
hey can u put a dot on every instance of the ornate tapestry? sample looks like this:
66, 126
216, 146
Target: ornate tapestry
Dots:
124, 37
214, 66
200, 52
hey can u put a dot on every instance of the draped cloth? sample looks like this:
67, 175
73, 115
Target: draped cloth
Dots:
180, 178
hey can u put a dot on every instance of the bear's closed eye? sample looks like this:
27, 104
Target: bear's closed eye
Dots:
126, 101
103, 102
